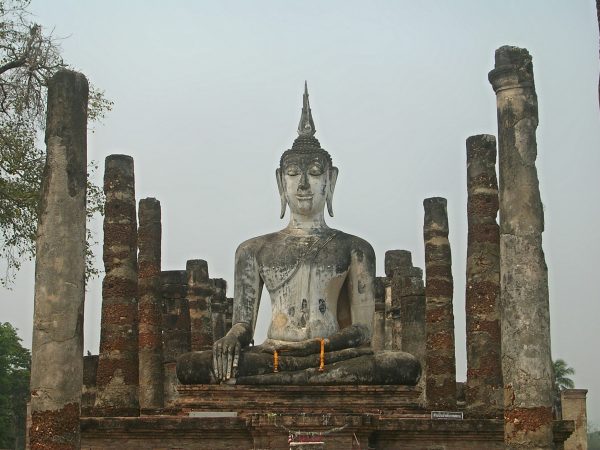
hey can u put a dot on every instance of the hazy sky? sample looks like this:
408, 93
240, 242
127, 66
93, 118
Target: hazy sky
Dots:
208, 95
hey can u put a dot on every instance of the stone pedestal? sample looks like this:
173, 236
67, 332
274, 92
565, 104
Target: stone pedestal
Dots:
573, 402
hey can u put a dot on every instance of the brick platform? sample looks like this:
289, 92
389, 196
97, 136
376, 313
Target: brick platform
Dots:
349, 417
388, 400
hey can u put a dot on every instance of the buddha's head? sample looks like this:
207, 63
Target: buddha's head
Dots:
306, 176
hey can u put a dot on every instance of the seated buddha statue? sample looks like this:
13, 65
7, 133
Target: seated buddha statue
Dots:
321, 285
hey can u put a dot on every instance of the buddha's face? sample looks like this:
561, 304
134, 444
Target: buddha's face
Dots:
305, 180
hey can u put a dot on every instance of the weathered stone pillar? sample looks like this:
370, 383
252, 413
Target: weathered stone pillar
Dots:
117, 377
200, 290
525, 318
88, 393
175, 326
378, 339
408, 292
483, 390
57, 347
218, 308
150, 305
388, 316
439, 315
395, 262
229, 316
574, 408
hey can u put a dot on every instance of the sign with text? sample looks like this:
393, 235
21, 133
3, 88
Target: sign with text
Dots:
447, 415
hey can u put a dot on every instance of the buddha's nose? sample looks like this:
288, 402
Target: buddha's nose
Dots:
303, 185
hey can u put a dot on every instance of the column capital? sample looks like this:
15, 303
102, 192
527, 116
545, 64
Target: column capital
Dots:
513, 69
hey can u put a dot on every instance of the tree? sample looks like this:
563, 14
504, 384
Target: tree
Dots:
28, 59
561, 382
15, 364
561, 375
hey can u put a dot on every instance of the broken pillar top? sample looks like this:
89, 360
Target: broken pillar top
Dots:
397, 260
197, 270
513, 68
379, 290
118, 161
149, 210
436, 215
481, 155
67, 104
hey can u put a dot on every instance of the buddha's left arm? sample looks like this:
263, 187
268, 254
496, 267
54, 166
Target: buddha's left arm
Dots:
361, 295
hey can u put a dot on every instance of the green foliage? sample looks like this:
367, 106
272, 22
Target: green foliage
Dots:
15, 363
594, 440
561, 375
28, 59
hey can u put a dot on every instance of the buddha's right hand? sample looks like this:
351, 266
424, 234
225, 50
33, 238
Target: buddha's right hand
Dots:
226, 355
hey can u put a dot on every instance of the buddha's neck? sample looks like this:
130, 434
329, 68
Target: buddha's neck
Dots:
307, 224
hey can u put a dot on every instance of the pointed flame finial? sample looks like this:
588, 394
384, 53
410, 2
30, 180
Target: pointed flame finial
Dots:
306, 127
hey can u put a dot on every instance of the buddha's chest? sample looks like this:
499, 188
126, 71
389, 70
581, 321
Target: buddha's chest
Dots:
303, 266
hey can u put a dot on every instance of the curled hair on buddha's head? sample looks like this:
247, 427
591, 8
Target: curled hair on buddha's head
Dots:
307, 144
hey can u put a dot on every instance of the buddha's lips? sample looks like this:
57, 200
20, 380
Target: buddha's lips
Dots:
304, 197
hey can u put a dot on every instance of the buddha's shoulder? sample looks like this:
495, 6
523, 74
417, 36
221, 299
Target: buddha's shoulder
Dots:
254, 244
353, 243
281, 239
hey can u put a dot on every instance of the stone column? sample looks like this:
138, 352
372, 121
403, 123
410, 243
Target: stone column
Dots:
150, 305
408, 298
218, 308
388, 319
483, 390
200, 290
395, 262
88, 393
117, 377
439, 316
57, 347
574, 408
378, 339
525, 319
175, 326
229, 316
408, 291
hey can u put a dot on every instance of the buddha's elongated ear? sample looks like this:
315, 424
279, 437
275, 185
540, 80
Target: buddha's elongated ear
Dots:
281, 192
333, 174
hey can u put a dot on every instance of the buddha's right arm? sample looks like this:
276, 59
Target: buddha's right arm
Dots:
247, 290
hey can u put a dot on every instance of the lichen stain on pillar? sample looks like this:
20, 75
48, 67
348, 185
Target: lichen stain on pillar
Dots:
483, 391
118, 371
526, 359
439, 315
150, 305
57, 346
